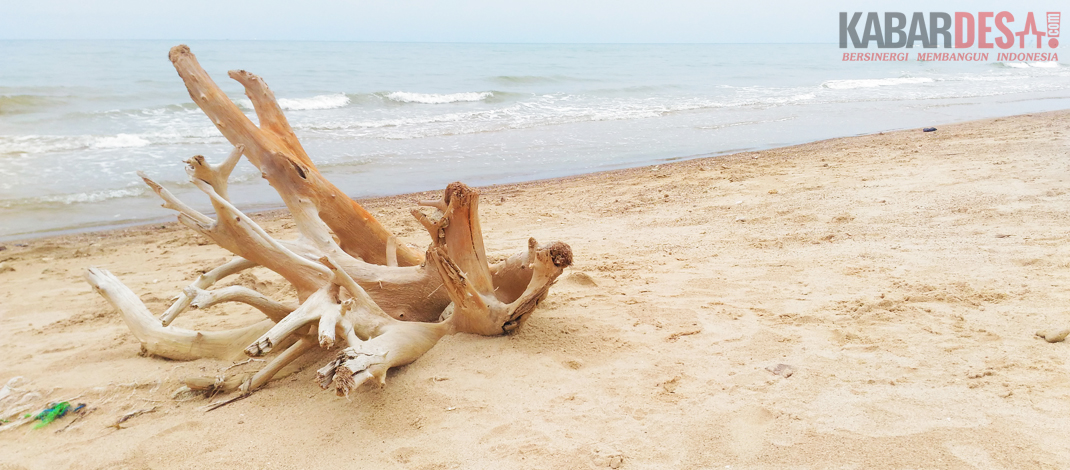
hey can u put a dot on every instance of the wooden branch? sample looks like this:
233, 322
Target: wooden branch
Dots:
173, 203
269, 113
359, 302
410, 293
377, 342
392, 344
226, 116
242, 236
237, 233
204, 281
437, 204
512, 276
282, 161
289, 355
485, 301
170, 342
550, 261
392, 251
459, 232
310, 311
215, 175
274, 310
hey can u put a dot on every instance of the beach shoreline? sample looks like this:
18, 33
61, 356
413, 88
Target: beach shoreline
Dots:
378, 125
375, 201
900, 277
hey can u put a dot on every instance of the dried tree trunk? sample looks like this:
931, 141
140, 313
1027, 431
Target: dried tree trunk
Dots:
354, 283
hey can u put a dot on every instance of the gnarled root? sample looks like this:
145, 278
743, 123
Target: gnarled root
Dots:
354, 282
205, 281
377, 342
486, 301
170, 342
276, 311
393, 344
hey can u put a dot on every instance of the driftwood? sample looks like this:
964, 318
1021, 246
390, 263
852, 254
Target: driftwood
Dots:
387, 303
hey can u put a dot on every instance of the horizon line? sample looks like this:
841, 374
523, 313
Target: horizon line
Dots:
419, 42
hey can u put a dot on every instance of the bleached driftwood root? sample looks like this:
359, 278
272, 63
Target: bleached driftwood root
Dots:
170, 342
387, 303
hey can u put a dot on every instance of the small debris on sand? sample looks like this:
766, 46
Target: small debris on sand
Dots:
1053, 336
783, 370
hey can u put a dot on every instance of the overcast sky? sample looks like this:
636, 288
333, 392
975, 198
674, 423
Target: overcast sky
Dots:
530, 21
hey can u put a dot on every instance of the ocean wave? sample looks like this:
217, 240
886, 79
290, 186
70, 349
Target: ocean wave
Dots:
1028, 65
165, 110
76, 198
23, 144
524, 79
121, 141
543, 110
873, 82
20, 104
42, 144
984, 78
339, 100
537, 79
434, 98
775, 100
745, 123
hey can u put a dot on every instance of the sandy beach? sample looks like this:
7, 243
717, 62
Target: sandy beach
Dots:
898, 280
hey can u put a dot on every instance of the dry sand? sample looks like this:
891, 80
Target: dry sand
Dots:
902, 276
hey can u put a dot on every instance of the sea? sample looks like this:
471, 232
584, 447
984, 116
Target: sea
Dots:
78, 119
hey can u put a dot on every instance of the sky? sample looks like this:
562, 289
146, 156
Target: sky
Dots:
500, 21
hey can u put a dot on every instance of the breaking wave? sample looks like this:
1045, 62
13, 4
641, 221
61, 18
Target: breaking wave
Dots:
121, 141
434, 98
873, 82
339, 100
543, 110
318, 102
1026, 65
41, 144
76, 198
18, 104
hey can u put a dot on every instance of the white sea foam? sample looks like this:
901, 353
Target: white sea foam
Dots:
745, 123
542, 110
1046, 65
986, 78
120, 141
775, 100
434, 98
316, 102
76, 198
94, 196
31, 144
873, 82
42, 144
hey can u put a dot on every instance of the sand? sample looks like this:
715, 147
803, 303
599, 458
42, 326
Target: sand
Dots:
899, 277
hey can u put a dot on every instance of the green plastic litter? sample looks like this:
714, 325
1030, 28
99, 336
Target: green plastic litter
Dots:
54, 410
